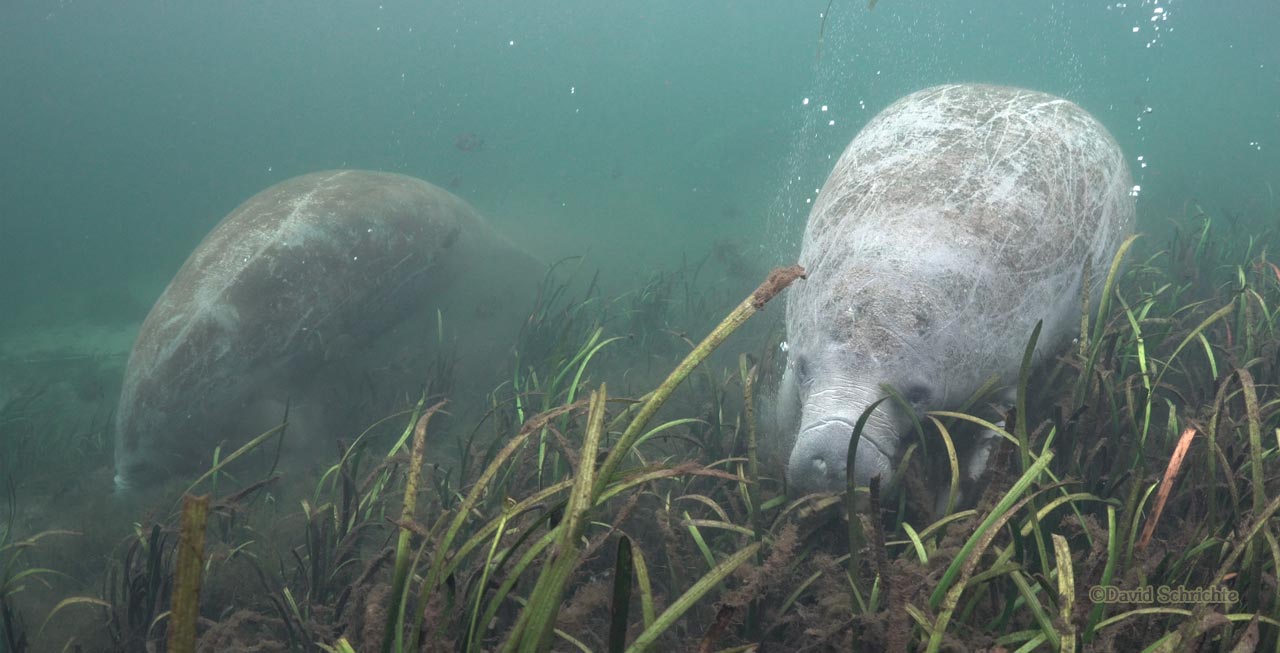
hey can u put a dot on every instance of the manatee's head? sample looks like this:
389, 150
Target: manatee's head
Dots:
140, 454
176, 383
850, 332
156, 427
833, 385
135, 471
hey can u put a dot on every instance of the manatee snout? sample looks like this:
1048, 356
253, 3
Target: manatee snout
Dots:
141, 458
142, 466
137, 462
820, 456
135, 474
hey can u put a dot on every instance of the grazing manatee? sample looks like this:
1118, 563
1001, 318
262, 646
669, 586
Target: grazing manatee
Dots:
303, 273
957, 218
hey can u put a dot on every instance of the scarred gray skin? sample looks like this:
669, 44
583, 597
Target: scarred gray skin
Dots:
957, 218
301, 273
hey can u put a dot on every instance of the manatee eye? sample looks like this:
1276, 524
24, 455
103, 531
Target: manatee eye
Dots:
917, 394
802, 369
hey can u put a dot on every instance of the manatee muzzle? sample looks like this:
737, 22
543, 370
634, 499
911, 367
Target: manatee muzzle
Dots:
820, 456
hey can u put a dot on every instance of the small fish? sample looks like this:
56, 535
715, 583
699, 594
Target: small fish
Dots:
871, 4
468, 142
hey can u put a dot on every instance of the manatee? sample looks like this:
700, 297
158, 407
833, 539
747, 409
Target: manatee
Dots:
306, 272
956, 219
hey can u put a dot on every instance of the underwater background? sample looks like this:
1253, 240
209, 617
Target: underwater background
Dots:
632, 132
641, 136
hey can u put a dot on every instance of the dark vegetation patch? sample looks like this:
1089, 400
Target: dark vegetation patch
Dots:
571, 510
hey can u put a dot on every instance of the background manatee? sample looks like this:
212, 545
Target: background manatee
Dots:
957, 218
308, 272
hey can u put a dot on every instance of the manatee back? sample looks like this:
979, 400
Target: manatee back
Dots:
955, 219
291, 274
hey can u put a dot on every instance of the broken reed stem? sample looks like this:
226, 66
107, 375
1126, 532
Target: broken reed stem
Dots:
749, 411
777, 281
1166, 485
186, 587
393, 637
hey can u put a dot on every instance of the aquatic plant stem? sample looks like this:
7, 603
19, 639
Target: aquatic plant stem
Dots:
393, 638
621, 603
248, 446
857, 538
777, 281
649, 635
545, 599
190, 566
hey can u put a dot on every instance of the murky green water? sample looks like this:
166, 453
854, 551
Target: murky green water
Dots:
647, 137
634, 132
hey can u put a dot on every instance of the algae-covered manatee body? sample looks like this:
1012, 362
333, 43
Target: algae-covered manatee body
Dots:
300, 274
954, 220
